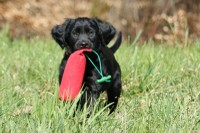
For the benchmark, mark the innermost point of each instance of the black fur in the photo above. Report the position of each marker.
(75, 34)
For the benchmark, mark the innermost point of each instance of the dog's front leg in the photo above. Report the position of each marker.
(88, 97)
(114, 91)
(62, 67)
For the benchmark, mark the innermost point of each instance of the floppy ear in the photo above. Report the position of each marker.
(58, 33)
(106, 29)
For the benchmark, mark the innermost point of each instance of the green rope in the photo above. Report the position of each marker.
(103, 78)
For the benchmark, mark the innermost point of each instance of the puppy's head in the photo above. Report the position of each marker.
(75, 34)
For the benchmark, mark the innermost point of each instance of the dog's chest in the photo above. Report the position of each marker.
(95, 73)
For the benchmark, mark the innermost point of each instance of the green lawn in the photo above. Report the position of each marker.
(161, 90)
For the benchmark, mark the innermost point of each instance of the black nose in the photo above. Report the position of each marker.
(84, 45)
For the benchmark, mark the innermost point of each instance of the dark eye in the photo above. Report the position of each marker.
(91, 33)
(75, 34)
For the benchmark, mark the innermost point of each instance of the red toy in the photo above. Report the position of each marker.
(73, 75)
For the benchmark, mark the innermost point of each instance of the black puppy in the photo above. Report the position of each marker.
(76, 34)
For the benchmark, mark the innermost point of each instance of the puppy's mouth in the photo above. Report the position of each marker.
(83, 45)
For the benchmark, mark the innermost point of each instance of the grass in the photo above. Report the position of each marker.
(161, 90)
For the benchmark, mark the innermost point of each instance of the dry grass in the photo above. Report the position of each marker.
(174, 22)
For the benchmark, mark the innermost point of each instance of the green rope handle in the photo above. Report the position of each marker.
(103, 78)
